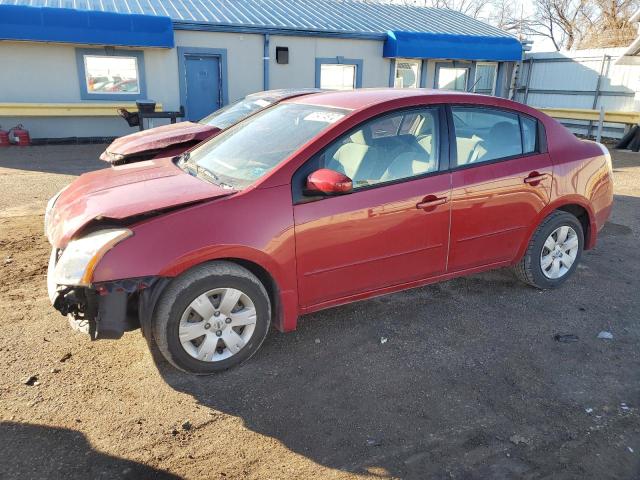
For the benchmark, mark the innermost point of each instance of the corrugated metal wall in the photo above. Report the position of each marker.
(580, 79)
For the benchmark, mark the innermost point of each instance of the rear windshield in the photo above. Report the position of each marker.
(250, 149)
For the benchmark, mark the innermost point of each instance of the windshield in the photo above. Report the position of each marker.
(245, 152)
(236, 111)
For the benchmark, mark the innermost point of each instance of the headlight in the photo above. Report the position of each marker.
(79, 259)
(50, 205)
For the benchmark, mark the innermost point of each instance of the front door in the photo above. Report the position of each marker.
(500, 183)
(202, 74)
(393, 228)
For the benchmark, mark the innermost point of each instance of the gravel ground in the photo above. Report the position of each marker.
(470, 384)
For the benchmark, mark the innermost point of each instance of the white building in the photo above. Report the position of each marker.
(64, 71)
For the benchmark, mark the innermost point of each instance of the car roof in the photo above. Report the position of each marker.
(283, 93)
(365, 97)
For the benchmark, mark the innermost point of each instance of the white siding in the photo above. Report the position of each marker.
(244, 59)
(47, 73)
(303, 51)
(579, 71)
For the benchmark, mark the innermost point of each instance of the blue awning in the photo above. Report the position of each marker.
(454, 47)
(44, 24)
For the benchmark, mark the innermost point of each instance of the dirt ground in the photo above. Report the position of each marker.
(470, 384)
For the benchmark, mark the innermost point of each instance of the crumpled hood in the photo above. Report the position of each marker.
(158, 138)
(124, 191)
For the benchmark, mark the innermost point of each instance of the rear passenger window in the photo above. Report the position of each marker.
(529, 134)
(485, 134)
(392, 147)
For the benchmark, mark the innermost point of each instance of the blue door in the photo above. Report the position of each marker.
(203, 85)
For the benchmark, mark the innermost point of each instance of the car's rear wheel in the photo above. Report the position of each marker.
(211, 318)
(553, 252)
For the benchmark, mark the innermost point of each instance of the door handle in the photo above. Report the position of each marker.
(535, 178)
(431, 202)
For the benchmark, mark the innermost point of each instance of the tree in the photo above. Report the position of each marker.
(610, 26)
(564, 22)
(567, 23)
(572, 23)
(472, 8)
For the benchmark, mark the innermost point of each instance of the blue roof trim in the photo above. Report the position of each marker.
(454, 47)
(25, 23)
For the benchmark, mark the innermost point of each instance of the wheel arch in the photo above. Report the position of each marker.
(269, 283)
(283, 299)
(577, 206)
(582, 214)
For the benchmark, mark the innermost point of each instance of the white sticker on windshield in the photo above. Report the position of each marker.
(327, 117)
(262, 103)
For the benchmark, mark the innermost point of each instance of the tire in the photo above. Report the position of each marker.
(185, 299)
(535, 271)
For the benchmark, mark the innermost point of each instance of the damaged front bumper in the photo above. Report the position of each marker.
(105, 310)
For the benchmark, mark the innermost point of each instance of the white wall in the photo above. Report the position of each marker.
(303, 51)
(47, 73)
(578, 71)
(244, 59)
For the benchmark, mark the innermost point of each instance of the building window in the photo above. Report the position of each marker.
(407, 73)
(485, 81)
(110, 74)
(338, 73)
(452, 78)
(338, 77)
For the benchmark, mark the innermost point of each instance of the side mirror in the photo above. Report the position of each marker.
(328, 182)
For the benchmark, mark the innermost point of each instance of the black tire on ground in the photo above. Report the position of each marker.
(529, 269)
(183, 290)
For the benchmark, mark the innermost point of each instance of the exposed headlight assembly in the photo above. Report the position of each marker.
(80, 257)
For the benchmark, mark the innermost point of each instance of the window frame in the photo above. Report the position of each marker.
(357, 62)
(411, 60)
(307, 166)
(495, 77)
(541, 143)
(110, 52)
(469, 66)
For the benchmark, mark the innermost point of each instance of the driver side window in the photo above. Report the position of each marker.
(393, 147)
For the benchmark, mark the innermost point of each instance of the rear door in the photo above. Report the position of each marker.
(501, 180)
(394, 227)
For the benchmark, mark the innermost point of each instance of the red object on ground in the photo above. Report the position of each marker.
(4, 139)
(20, 136)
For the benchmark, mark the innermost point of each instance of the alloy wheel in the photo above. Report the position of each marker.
(559, 252)
(217, 324)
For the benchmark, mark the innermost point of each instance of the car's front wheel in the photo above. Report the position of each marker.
(211, 318)
(553, 252)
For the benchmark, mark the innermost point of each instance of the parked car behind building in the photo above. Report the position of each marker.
(174, 139)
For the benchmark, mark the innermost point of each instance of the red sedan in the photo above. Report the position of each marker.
(319, 201)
